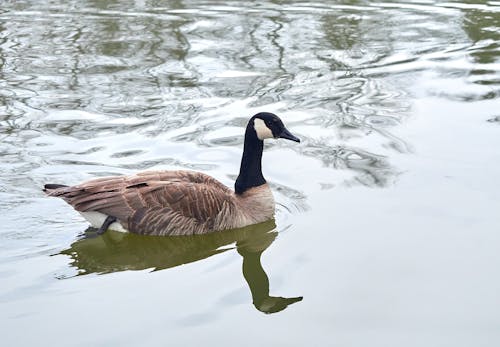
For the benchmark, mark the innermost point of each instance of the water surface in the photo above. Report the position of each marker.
(386, 232)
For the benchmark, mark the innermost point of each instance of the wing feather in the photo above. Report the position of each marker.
(154, 202)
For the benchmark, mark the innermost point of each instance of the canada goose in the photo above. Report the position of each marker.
(181, 202)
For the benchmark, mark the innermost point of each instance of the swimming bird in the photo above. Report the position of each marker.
(181, 202)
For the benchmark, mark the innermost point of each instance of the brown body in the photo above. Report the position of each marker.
(169, 202)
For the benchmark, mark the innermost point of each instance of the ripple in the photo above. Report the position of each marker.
(129, 153)
(494, 119)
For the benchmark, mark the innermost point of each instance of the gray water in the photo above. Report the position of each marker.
(387, 223)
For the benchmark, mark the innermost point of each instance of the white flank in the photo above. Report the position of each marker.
(96, 219)
(263, 132)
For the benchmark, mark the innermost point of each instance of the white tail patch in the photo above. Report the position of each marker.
(263, 132)
(96, 219)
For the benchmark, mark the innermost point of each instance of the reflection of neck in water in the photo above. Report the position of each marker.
(258, 282)
(116, 251)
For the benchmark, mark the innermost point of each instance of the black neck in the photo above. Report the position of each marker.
(251, 167)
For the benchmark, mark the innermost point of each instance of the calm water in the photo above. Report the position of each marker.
(387, 229)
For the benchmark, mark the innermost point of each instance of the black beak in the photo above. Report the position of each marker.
(285, 134)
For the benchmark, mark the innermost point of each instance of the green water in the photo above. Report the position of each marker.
(387, 223)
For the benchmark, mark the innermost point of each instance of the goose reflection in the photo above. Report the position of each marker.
(114, 251)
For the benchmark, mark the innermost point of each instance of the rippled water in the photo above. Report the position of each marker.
(386, 232)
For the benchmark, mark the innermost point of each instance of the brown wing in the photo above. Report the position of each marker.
(155, 202)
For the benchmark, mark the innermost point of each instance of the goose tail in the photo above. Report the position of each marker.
(48, 188)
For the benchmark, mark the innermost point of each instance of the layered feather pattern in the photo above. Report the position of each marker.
(169, 202)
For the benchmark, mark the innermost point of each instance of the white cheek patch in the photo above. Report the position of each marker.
(263, 132)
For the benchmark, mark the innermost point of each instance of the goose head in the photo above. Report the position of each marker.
(261, 126)
(268, 126)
